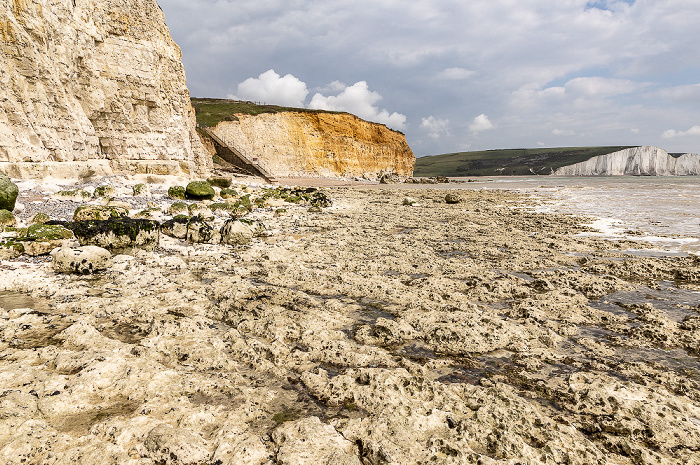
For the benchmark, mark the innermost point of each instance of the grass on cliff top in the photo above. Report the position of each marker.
(505, 162)
(211, 111)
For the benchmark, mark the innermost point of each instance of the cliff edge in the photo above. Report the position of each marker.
(636, 161)
(93, 86)
(319, 144)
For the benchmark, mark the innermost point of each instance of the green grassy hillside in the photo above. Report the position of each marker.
(507, 161)
(211, 111)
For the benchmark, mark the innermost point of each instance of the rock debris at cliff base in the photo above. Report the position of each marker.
(370, 333)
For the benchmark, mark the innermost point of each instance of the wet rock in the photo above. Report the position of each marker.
(81, 260)
(8, 193)
(118, 234)
(99, 212)
(176, 446)
(235, 232)
(227, 193)
(199, 190)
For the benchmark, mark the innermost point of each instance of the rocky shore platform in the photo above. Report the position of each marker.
(392, 327)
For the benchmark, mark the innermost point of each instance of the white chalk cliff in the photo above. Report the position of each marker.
(96, 85)
(636, 161)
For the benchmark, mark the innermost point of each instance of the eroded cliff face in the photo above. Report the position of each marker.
(293, 144)
(637, 161)
(93, 82)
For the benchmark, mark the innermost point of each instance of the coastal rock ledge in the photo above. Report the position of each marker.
(636, 161)
(93, 87)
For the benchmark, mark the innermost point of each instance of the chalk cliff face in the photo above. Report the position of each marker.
(637, 161)
(93, 82)
(293, 144)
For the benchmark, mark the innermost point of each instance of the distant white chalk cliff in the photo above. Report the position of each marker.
(637, 161)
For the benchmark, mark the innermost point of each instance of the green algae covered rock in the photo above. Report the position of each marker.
(40, 218)
(10, 249)
(98, 212)
(220, 182)
(104, 191)
(177, 192)
(140, 190)
(46, 232)
(199, 190)
(7, 218)
(228, 193)
(8, 193)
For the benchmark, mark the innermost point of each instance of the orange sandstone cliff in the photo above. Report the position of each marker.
(311, 144)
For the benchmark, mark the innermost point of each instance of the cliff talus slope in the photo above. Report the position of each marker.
(298, 143)
(636, 161)
(93, 82)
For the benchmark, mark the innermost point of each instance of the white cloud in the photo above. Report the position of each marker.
(480, 123)
(456, 74)
(682, 93)
(359, 100)
(271, 88)
(634, 131)
(672, 133)
(563, 132)
(436, 127)
(601, 87)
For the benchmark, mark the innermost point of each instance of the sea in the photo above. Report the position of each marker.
(663, 211)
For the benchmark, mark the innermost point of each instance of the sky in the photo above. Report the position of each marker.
(460, 75)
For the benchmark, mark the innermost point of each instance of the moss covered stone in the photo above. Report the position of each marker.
(219, 182)
(178, 208)
(40, 218)
(176, 192)
(8, 193)
(98, 212)
(104, 191)
(47, 232)
(7, 218)
(140, 190)
(228, 193)
(10, 249)
(199, 190)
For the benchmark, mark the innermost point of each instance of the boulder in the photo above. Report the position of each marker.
(118, 234)
(104, 191)
(408, 201)
(99, 212)
(40, 218)
(453, 198)
(176, 192)
(10, 249)
(389, 178)
(201, 232)
(199, 190)
(41, 239)
(82, 260)
(178, 208)
(201, 211)
(141, 190)
(220, 181)
(8, 193)
(177, 227)
(235, 232)
(7, 218)
(228, 193)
